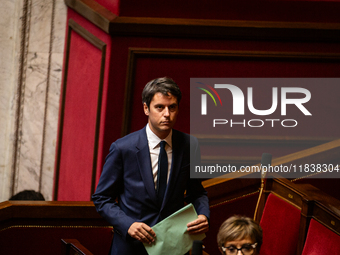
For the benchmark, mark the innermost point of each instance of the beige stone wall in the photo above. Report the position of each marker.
(32, 35)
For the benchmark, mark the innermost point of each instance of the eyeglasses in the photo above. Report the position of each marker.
(246, 249)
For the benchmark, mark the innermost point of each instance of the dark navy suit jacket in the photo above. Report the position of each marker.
(126, 190)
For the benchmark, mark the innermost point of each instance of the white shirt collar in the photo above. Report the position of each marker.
(154, 140)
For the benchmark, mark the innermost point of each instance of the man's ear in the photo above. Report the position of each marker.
(146, 109)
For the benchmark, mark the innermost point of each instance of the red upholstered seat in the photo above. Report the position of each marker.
(280, 223)
(321, 240)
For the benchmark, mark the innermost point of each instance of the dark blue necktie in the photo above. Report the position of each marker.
(162, 174)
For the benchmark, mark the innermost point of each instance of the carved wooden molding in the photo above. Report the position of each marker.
(73, 26)
(48, 210)
(73, 246)
(93, 11)
(206, 28)
(261, 139)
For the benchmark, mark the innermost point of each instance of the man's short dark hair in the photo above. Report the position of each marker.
(164, 85)
(28, 195)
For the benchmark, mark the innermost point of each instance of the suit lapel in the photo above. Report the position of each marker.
(144, 164)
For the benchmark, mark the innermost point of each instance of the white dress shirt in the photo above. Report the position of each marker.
(154, 146)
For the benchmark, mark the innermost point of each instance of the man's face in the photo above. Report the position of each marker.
(162, 114)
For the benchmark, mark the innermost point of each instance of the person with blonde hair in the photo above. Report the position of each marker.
(239, 235)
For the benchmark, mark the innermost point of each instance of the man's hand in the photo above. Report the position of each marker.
(142, 232)
(199, 226)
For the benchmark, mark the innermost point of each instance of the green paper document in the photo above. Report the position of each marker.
(171, 233)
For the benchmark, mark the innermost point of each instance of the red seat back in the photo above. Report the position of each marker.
(321, 240)
(280, 223)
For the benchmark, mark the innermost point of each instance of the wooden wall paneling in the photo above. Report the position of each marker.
(280, 141)
(73, 246)
(164, 53)
(37, 227)
(205, 28)
(130, 75)
(93, 11)
(320, 181)
(225, 29)
(261, 139)
(73, 26)
(328, 214)
(234, 10)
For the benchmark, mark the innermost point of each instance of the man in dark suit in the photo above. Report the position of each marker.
(131, 175)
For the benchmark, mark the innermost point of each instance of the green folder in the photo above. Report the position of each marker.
(171, 233)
